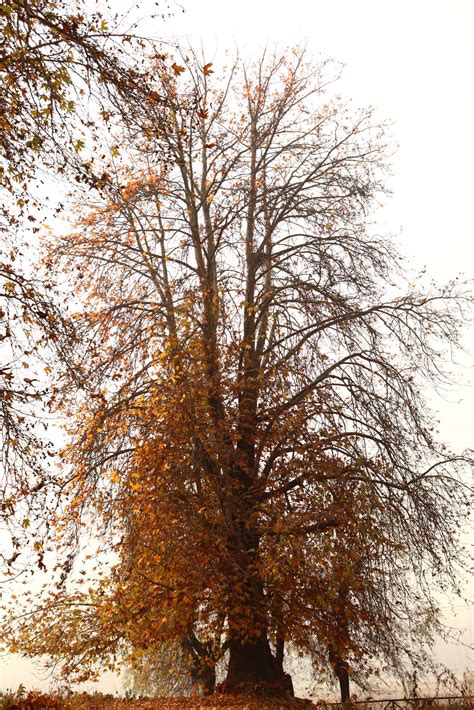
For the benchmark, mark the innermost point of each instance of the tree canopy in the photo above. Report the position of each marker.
(248, 430)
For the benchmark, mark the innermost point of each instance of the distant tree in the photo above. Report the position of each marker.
(373, 618)
(182, 667)
(249, 432)
(164, 673)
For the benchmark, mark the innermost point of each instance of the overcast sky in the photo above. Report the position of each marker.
(412, 60)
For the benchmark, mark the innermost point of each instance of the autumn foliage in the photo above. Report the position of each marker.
(248, 438)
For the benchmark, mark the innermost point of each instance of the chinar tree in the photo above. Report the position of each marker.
(248, 419)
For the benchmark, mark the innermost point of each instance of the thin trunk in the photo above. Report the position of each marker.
(341, 670)
(204, 678)
(203, 667)
(279, 657)
(280, 652)
(343, 677)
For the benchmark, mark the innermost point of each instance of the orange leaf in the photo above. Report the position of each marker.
(203, 114)
(177, 69)
(207, 69)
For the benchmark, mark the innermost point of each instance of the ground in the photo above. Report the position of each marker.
(82, 701)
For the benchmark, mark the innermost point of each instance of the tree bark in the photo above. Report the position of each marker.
(341, 669)
(343, 677)
(280, 653)
(253, 668)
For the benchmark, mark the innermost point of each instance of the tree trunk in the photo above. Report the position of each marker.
(202, 665)
(206, 680)
(341, 669)
(343, 676)
(280, 653)
(252, 666)
(253, 669)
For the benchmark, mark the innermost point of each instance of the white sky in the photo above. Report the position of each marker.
(412, 60)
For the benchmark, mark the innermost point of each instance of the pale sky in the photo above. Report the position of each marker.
(412, 60)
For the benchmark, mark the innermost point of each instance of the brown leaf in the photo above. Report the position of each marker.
(177, 69)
